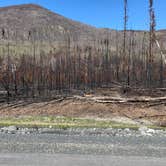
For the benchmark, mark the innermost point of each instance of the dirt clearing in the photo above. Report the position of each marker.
(103, 104)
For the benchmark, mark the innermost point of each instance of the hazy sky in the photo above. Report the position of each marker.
(103, 13)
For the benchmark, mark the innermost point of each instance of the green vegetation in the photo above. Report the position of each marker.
(65, 122)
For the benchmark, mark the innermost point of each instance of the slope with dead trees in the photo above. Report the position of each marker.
(41, 71)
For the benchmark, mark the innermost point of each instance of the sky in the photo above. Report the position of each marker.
(103, 13)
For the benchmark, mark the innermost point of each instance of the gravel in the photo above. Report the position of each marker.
(142, 142)
(142, 131)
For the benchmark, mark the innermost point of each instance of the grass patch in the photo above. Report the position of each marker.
(64, 122)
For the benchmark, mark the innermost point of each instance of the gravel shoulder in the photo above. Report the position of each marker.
(115, 142)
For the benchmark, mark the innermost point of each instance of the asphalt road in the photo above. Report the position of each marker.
(83, 147)
(76, 160)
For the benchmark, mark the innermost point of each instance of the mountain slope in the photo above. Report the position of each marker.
(33, 22)
(30, 17)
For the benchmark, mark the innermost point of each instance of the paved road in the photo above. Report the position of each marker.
(83, 147)
(76, 160)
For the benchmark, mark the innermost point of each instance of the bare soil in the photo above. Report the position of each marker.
(86, 107)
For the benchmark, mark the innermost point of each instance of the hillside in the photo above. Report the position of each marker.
(78, 70)
(48, 26)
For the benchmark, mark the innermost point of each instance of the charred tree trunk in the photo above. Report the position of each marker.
(151, 43)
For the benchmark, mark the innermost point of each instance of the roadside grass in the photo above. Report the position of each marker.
(65, 122)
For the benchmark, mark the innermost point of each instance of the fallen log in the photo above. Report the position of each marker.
(155, 104)
(104, 99)
(149, 116)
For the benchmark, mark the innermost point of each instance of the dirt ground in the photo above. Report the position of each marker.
(91, 106)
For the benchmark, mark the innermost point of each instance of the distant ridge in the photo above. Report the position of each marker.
(29, 5)
(18, 20)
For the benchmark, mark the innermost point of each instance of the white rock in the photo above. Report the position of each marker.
(143, 128)
(10, 128)
(146, 131)
(127, 130)
(152, 131)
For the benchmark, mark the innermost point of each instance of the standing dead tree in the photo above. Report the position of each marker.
(151, 43)
(124, 36)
